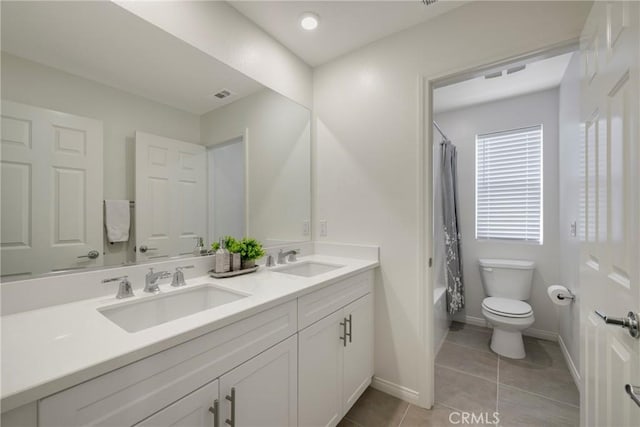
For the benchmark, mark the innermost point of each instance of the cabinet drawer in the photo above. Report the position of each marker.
(129, 394)
(316, 305)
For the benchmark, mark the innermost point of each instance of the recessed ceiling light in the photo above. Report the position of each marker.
(309, 21)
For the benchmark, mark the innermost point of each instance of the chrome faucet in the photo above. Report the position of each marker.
(151, 280)
(178, 276)
(124, 289)
(291, 254)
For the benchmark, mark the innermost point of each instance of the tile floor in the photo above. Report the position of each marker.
(535, 391)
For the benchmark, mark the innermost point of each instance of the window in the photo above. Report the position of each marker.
(509, 185)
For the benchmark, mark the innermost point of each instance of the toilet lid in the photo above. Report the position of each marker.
(507, 307)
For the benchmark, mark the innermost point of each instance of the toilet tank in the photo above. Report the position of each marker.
(507, 278)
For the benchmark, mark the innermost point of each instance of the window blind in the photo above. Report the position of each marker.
(509, 185)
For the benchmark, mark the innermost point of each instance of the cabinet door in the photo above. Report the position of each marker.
(193, 410)
(358, 354)
(263, 391)
(320, 372)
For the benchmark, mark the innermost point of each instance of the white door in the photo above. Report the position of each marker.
(197, 409)
(610, 215)
(320, 359)
(263, 392)
(51, 191)
(226, 190)
(358, 354)
(171, 194)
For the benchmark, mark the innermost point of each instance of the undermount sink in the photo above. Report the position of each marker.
(135, 316)
(307, 268)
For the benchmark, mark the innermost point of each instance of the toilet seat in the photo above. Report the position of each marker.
(507, 307)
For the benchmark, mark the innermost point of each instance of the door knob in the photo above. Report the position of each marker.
(145, 248)
(91, 255)
(630, 322)
(633, 392)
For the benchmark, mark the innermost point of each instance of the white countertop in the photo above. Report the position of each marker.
(47, 350)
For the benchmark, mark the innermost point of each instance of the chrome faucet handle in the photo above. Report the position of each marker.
(125, 290)
(270, 262)
(178, 276)
(281, 257)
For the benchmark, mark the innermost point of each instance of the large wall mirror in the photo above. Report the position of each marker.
(101, 110)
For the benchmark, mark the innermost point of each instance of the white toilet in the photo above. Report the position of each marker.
(507, 284)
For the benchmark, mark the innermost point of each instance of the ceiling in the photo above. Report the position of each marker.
(344, 25)
(538, 75)
(103, 42)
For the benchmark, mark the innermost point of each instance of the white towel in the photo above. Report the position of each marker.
(117, 220)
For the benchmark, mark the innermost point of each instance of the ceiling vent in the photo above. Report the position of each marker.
(224, 93)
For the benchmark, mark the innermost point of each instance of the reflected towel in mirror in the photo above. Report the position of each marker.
(117, 220)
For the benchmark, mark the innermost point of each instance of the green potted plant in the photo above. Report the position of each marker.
(250, 250)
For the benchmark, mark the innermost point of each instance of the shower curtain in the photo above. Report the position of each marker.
(453, 261)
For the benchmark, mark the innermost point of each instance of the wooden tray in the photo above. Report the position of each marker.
(232, 273)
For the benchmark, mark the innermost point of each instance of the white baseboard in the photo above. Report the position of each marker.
(396, 390)
(476, 321)
(531, 332)
(572, 366)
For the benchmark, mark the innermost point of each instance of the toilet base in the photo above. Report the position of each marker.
(507, 343)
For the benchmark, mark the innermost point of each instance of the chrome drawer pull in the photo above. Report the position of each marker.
(232, 420)
(348, 320)
(214, 410)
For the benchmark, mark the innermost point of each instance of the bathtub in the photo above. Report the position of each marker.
(442, 319)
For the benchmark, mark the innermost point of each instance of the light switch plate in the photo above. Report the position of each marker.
(306, 228)
(323, 228)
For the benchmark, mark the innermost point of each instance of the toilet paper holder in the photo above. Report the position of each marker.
(571, 296)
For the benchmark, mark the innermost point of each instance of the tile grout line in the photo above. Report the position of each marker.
(486, 351)
(463, 372)
(541, 395)
(469, 347)
(404, 415)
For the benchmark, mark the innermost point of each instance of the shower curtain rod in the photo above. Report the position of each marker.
(440, 130)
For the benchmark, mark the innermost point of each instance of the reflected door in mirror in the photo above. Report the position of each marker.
(51, 191)
(171, 194)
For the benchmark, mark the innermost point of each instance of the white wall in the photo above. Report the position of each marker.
(121, 112)
(366, 150)
(462, 126)
(278, 149)
(216, 28)
(569, 201)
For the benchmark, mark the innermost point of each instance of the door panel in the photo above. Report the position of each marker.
(170, 196)
(51, 190)
(320, 358)
(266, 391)
(358, 363)
(192, 410)
(609, 270)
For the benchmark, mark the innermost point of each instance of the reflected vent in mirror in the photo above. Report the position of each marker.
(224, 93)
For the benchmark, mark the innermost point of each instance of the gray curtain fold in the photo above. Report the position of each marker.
(453, 260)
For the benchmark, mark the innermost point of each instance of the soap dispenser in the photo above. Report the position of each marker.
(223, 263)
(199, 249)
